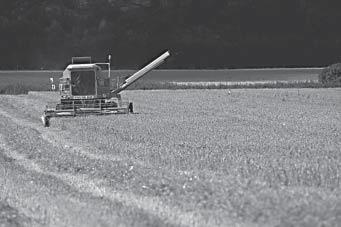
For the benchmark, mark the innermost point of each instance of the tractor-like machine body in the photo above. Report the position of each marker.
(86, 89)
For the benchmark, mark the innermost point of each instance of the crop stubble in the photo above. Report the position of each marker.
(201, 157)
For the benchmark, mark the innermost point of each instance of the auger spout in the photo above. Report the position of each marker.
(139, 74)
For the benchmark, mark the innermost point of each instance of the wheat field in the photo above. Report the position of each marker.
(265, 157)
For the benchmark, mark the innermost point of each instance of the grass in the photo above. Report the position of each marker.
(150, 85)
(154, 85)
(10, 216)
(262, 157)
(16, 89)
(20, 82)
(253, 154)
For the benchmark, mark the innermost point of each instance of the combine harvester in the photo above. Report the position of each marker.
(85, 90)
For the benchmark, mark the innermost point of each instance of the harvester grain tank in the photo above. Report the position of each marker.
(85, 89)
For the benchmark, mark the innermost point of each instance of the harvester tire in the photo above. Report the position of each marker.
(46, 121)
(131, 108)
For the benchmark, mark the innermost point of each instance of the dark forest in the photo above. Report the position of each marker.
(41, 34)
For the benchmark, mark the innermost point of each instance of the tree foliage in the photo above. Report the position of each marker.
(331, 75)
(200, 33)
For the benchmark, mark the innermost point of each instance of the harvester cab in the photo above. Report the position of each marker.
(86, 89)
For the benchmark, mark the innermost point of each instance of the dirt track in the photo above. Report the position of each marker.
(50, 178)
(50, 194)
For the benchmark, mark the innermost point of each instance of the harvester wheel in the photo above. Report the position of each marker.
(131, 108)
(45, 120)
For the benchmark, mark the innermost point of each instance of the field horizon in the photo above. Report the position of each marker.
(23, 81)
(189, 75)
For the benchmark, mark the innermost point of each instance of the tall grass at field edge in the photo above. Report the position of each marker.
(174, 86)
(15, 89)
(20, 88)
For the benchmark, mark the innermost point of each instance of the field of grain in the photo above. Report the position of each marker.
(185, 158)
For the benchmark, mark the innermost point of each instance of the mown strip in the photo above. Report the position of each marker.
(95, 186)
(10, 216)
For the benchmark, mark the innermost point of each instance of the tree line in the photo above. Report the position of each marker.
(45, 34)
